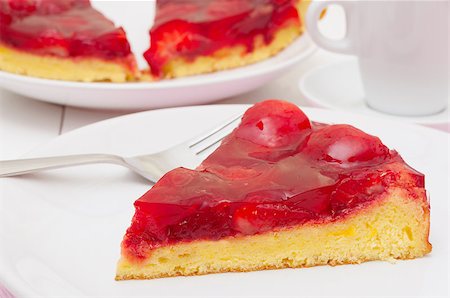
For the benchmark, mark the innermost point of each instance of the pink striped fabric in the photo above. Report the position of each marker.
(4, 293)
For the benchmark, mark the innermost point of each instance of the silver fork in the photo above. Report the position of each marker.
(151, 166)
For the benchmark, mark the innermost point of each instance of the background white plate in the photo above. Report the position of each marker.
(338, 86)
(166, 93)
(136, 17)
(60, 231)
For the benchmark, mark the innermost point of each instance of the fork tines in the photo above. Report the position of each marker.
(214, 137)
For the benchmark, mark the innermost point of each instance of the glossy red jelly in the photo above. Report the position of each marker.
(277, 169)
(189, 28)
(67, 28)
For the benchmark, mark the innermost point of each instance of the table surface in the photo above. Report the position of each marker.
(26, 123)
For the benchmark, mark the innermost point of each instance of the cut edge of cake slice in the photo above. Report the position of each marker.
(232, 57)
(82, 69)
(395, 226)
(64, 40)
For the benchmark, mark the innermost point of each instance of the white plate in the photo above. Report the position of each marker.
(166, 93)
(338, 86)
(60, 231)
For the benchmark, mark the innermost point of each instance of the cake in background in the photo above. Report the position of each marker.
(199, 36)
(280, 191)
(71, 40)
(63, 40)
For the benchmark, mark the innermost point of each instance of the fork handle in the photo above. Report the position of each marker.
(29, 165)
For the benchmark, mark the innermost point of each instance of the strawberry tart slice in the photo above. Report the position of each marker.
(281, 191)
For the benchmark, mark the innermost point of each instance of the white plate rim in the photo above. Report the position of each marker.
(197, 80)
(442, 117)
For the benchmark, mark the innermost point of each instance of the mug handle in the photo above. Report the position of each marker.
(342, 46)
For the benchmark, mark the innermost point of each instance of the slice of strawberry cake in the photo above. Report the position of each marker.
(200, 36)
(281, 191)
(63, 40)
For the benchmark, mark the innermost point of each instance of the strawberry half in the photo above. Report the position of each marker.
(171, 39)
(345, 144)
(257, 218)
(273, 123)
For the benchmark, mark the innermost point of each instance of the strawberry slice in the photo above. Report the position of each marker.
(51, 40)
(169, 40)
(257, 218)
(221, 8)
(22, 7)
(358, 189)
(345, 144)
(174, 37)
(234, 172)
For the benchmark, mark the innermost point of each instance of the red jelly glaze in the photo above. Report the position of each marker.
(276, 170)
(66, 28)
(190, 28)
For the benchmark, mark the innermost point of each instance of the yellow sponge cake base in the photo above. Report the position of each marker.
(232, 57)
(70, 69)
(395, 227)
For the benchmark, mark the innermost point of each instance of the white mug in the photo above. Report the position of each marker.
(402, 49)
